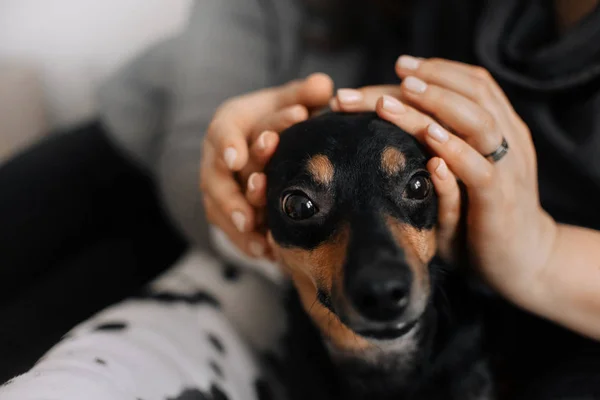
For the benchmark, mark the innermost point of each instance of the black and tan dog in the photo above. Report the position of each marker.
(352, 215)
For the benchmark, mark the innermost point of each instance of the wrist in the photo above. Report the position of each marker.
(567, 285)
(536, 283)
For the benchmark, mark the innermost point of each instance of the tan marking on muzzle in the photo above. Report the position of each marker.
(392, 161)
(321, 268)
(321, 169)
(419, 247)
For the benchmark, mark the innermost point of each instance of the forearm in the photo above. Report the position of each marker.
(567, 289)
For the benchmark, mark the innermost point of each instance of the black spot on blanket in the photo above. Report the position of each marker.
(111, 326)
(216, 369)
(217, 393)
(191, 394)
(199, 297)
(216, 342)
(231, 272)
(100, 361)
(195, 394)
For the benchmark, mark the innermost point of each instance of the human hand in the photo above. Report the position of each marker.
(461, 114)
(228, 161)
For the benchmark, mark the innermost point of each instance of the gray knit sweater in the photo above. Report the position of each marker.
(157, 108)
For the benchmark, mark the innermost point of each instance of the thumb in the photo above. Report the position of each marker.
(314, 91)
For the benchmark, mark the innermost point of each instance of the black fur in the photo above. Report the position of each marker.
(450, 362)
(470, 341)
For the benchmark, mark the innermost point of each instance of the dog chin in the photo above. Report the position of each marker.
(388, 333)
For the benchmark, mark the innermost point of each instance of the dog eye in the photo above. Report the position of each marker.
(418, 188)
(298, 206)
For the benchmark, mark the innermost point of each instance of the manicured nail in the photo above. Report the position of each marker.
(415, 85)
(349, 95)
(393, 105)
(229, 156)
(437, 133)
(408, 62)
(239, 220)
(257, 249)
(442, 170)
(252, 181)
(262, 144)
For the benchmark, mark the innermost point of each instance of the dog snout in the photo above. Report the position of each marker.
(381, 293)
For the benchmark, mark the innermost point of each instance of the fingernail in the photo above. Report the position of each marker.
(442, 170)
(437, 133)
(251, 182)
(415, 85)
(349, 95)
(257, 249)
(230, 155)
(408, 62)
(239, 220)
(262, 144)
(393, 105)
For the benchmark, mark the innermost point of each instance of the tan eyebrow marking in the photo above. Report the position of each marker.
(321, 169)
(392, 160)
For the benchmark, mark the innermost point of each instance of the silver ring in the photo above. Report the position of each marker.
(499, 153)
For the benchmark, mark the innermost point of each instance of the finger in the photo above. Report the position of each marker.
(233, 122)
(261, 152)
(263, 148)
(466, 118)
(473, 82)
(252, 244)
(313, 92)
(404, 116)
(334, 105)
(477, 173)
(256, 191)
(229, 141)
(449, 202)
(220, 186)
(281, 120)
(363, 99)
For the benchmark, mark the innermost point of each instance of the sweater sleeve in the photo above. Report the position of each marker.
(162, 104)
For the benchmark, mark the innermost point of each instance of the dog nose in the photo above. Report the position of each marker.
(380, 297)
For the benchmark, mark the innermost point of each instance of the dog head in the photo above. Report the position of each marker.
(352, 212)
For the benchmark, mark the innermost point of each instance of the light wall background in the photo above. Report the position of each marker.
(73, 44)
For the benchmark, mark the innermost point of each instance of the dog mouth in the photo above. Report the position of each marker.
(388, 333)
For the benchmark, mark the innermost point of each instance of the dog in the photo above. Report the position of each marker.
(352, 216)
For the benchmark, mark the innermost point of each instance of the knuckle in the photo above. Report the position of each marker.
(435, 61)
(436, 97)
(487, 123)
(482, 89)
(451, 210)
(486, 178)
(482, 74)
(430, 68)
(456, 149)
